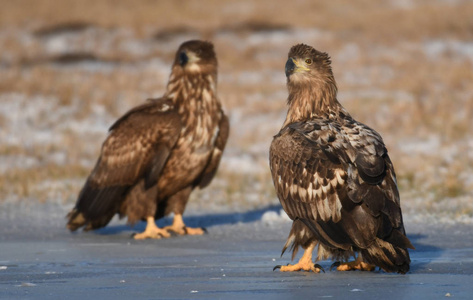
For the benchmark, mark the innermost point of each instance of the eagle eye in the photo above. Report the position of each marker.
(308, 61)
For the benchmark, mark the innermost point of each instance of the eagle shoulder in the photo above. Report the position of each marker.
(138, 144)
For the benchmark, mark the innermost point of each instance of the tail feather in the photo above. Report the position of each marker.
(388, 257)
(76, 220)
(95, 207)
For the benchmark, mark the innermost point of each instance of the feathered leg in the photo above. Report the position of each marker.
(152, 231)
(305, 263)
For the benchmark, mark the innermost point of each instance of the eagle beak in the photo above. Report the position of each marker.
(290, 66)
(183, 58)
(293, 66)
(187, 58)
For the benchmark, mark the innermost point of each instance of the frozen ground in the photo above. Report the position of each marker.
(69, 68)
(39, 259)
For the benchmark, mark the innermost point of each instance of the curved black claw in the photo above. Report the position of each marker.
(277, 267)
(319, 267)
(204, 230)
(334, 265)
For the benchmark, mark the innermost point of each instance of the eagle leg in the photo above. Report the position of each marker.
(305, 263)
(151, 231)
(180, 228)
(357, 264)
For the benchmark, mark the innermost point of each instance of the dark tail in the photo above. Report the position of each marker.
(95, 207)
(388, 257)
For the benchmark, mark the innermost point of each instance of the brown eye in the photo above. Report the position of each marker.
(308, 61)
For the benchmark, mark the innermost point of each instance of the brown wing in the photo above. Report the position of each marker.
(220, 142)
(309, 182)
(316, 169)
(137, 147)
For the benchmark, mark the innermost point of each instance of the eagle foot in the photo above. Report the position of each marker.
(151, 231)
(152, 234)
(184, 230)
(195, 231)
(352, 265)
(278, 267)
(179, 227)
(316, 268)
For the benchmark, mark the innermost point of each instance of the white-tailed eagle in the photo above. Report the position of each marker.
(333, 177)
(158, 152)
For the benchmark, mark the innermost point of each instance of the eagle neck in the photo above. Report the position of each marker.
(186, 89)
(195, 98)
(314, 100)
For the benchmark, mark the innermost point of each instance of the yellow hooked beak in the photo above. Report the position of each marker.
(294, 66)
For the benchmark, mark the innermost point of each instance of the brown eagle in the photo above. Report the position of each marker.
(333, 177)
(158, 152)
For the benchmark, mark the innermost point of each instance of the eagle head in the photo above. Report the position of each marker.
(196, 57)
(304, 63)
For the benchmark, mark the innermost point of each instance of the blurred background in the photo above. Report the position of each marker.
(69, 68)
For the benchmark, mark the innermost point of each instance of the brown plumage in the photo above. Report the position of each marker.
(333, 176)
(158, 152)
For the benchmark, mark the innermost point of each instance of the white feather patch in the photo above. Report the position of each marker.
(339, 174)
(313, 209)
(336, 213)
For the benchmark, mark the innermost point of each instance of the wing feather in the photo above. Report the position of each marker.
(299, 169)
(220, 142)
(340, 180)
(137, 146)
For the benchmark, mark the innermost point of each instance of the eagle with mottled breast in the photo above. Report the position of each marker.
(158, 152)
(334, 178)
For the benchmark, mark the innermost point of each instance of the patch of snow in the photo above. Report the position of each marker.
(8, 162)
(26, 119)
(373, 93)
(270, 217)
(458, 49)
(368, 76)
(349, 52)
(423, 146)
(241, 164)
(274, 38)
(58, 44)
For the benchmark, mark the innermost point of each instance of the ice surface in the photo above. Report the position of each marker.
(41, 260)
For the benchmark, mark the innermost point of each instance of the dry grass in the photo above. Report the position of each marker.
(404, 70)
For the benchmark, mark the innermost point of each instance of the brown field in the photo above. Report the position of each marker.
(68, 69)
